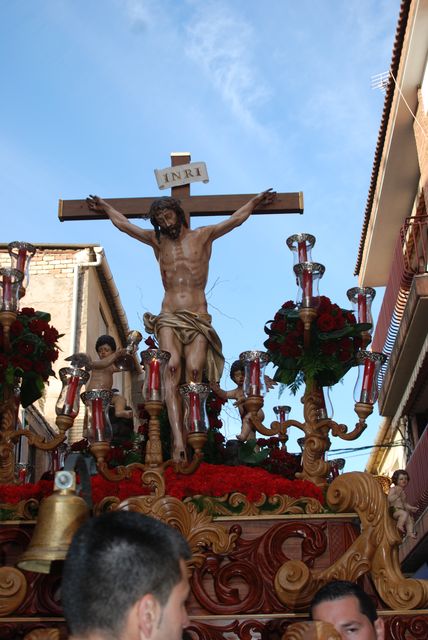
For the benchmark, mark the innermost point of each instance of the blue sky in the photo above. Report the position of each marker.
(96, 94)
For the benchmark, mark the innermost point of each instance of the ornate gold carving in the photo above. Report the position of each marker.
(228, 505)
(314, 467)
(198, 528)
(7, 462)
(13, 589)
(375, 551)
(22, 510)
(384, 482)
(311, 631)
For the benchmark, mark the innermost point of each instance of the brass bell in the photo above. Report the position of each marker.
(60, 515)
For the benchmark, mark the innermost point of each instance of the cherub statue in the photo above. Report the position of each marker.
(237, 374)
(102, 371)
(401, 510)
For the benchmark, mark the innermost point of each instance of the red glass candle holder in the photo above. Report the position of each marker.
(361, 299)
(195, 396)
(68, 401)
(10, 283)
(154, 361)
(308, 275)
(366, 388)
(300, 244)
(254, 367)
(20, 255)
(97, 402)
(282, 412)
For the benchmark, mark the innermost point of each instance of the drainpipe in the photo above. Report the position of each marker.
(99, 252)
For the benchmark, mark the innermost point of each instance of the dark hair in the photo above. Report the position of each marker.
(160, 204)
(113, 561)
(341, 589)
(399, 472)
(238, 365)
(109, 340)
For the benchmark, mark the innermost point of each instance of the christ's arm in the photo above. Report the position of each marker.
(121, 222)
(241, 215)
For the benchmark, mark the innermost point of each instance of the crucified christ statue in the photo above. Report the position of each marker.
(183, 326)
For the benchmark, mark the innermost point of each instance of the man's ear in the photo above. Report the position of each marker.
(379, 626)
(148, 612)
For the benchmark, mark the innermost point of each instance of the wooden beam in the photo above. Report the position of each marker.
(195, 206)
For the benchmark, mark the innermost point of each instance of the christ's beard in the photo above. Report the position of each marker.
(172, 232)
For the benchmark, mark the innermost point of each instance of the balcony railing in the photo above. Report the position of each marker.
(410, 259)
(417, 468)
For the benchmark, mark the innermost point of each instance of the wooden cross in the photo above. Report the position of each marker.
(193, 206)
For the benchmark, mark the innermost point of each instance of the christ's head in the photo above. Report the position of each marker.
(167, 217)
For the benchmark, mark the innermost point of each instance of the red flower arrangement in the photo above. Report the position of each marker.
(208, 480)
(33, 350)
(335, 339)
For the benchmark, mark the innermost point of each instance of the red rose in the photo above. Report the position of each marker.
(28, 311)
(325, 323)
(344, 356)
(279, 326)
(288, 305)
(51, 335)
(329, 348)
(26, 348)
(52, 355)
(324, 305)
(16, 328)
(3, 361)
(339, 322)
(21, 363)
(350, 317)
(41, 367)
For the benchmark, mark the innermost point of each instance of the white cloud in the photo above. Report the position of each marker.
(139, 13)
(222, 44)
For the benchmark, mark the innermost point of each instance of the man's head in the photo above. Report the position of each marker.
(349, 609)
(105, 345)
(164, 221)
(125, 575)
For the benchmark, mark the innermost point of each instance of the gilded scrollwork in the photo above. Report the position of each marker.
(238, 503)
(197, 527)
(375, 551)
(13, 589)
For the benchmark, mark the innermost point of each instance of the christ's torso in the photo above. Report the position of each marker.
(184, 270)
